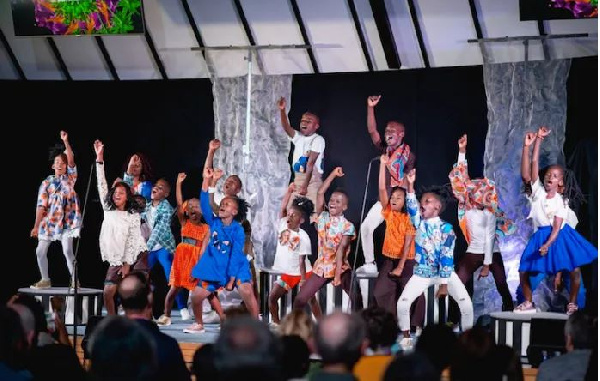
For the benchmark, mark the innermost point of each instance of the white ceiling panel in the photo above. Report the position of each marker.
(501, 19)
(329, 24)
(405, 37)
(273, 23)
(82, 57)
(220, 25)
(173, 37)
(132, 57)
(369, 29)
(447, 25)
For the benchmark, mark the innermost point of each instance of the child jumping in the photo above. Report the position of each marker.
(482, 223)
(309, 148)
(293, 249)
(398, 250)
(194, 239)
(555, 245)
(335, 233)
(57, 215)
(435, 241)
(224, 251)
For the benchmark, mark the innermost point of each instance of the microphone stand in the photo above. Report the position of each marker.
(75, 272)
(362, 212)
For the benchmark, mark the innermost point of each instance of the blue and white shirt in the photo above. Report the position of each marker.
(434, 243)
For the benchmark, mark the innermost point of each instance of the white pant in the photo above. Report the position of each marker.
(41, 252)
(415, 287)
(373, 219)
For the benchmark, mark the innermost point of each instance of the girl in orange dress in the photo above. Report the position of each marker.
(194, 239)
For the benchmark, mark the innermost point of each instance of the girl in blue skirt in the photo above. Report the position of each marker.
(555, 245)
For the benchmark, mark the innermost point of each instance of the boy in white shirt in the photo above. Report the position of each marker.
(309, 148)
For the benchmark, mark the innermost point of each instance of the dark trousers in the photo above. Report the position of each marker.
(467, 267)
(388, 289)
(315, 283)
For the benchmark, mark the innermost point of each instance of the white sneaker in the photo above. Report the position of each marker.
(211, 317)
(406, 344)
(185, 314)
(367, 268)
(163, 320)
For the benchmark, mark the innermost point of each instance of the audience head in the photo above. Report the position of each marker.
(120, 348)
(382, 328)
(473, 356)
(14, 346)
(27, 322)
(411, 367)
(136, 294)
(203, 365)
(299, 323)
(39, 316)
(246, 348)
(296, 356)
(236, 311)
(437, 342)
(341, 339)
(53, 361)
(578, 332)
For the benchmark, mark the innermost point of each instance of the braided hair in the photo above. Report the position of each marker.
(304, 206)
(243, 207)
(442, 192)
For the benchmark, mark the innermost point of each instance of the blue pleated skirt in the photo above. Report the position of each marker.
(570, 250)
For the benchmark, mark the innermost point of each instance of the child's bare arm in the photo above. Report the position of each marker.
(371, 122)
(525, 159)
(556, 225)
(213, 146)
(179, 198)
(535, 156)
(302, 267)
(286, 200)
(217, 174)
(337, 172)
(69, 151)
(285, 123)
(383, 195)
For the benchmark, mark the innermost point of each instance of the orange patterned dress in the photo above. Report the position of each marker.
(187, 255)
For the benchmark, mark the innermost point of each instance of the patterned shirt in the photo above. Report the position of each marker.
(401, 161)
(63, 216)
(144, 187)
(397, 227)
(434, 240)
(330, 231)
(161, 226)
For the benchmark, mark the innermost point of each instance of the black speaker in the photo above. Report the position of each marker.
(546, 339)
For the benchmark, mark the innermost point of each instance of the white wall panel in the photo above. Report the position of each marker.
(405, 37)
(132, 57)
(369, 28)
(82, 57)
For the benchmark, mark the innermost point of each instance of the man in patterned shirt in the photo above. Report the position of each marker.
(434, 243)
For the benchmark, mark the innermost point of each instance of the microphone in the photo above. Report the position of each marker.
(373, 159)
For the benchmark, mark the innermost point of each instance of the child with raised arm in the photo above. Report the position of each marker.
(309, 148)
(194, 239)
(293, 249)
(435, 241)
(555, 245)
(121, 240)
(57, 214)
(335, 234)
(398, 250)
(223, 253)
(400, 161)
(138, 173)
(482, 223)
